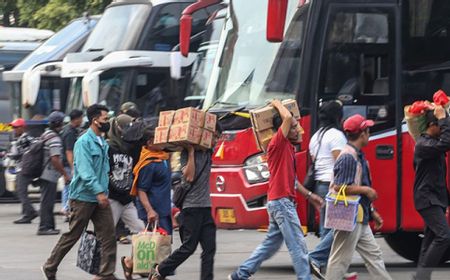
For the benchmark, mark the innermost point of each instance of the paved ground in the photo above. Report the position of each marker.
(22, 252)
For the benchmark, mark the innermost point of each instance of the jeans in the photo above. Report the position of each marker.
(319, 256)
(197, 226)
(65, 193)
(322, 190)
(284, 224)
(435, 242)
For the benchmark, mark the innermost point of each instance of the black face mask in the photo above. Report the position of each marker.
(104, 126)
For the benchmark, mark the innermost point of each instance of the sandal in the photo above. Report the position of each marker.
(127, 272)
(124, 240)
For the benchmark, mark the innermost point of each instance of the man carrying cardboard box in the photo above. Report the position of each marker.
(284, 224)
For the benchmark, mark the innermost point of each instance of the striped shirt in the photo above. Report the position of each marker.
(52, 147)
(345, 173)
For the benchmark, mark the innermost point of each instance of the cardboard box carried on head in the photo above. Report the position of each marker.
(262, 121)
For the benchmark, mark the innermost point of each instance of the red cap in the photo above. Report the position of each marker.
(18, 123)
(357, 123)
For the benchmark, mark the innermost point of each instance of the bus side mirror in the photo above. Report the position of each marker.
(186, 22)
(276, 18)
(175, 65)
(185, 34)
(30, 86)
(90, 86)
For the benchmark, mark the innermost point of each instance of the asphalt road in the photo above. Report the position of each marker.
(22, 253)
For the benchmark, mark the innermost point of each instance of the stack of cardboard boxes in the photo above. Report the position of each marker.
(262, 121)
(186, 126)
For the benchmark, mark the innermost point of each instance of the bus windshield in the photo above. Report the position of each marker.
(118, 28)
(244, 57)
(54, 47)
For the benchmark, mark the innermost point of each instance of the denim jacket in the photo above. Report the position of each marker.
(91, 168)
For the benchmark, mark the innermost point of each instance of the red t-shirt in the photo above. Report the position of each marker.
(281, 155)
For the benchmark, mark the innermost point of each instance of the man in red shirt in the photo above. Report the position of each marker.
(284, 224)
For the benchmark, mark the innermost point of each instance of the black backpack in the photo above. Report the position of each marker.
(33, 159)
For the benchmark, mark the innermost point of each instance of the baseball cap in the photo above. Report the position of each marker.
(18, 123)
(357, 123)
(56, 117)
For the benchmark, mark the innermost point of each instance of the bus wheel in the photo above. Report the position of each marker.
(406, 244)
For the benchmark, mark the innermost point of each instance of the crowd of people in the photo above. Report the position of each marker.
(110, 179)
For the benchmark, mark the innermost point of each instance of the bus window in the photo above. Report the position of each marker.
(283, 75)
(426, 41)
(51, 96)
(357, 62)
(151, 92)
(112, 89)
(164, 32)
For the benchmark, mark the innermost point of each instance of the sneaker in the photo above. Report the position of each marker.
(315, 270)
(233, 276)
(351, 276)
(49, 231)
(47, 275)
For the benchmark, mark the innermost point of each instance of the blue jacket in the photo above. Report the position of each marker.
(91, 168)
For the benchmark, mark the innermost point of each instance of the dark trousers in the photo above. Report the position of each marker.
(80, 214)
(197, 226)
(435, 242)
(48, 197)
(22, 183)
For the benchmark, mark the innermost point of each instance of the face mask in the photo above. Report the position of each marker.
(104, 127)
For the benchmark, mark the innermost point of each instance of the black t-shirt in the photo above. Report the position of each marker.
(69, 136)
(120, 176)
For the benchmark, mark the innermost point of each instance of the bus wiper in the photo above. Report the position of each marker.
(94, 50)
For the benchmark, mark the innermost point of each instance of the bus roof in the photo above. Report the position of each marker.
(16, 34)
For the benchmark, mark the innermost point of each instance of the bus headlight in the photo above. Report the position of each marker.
(256, 169)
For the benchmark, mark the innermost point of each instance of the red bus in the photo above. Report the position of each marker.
(375, 56)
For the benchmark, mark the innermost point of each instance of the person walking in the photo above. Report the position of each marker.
(284, 223)
(69, 136)
(89, 197)
(152, 186)
(22, 144)
(431, 197)
(352, 169)
(325, 146)
(121, 176)
(197, 224)
(53, 169)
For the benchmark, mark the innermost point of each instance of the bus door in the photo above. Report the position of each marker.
(357, 67)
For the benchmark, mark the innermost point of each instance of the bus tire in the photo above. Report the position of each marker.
(407, 245)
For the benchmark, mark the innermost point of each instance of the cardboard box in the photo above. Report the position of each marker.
(207, 139)
(189, 115)
(262, 118)
(263, 138)
(186, 132)
(210, 122)
(292, 106)
(161, 135)
(166, 118)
